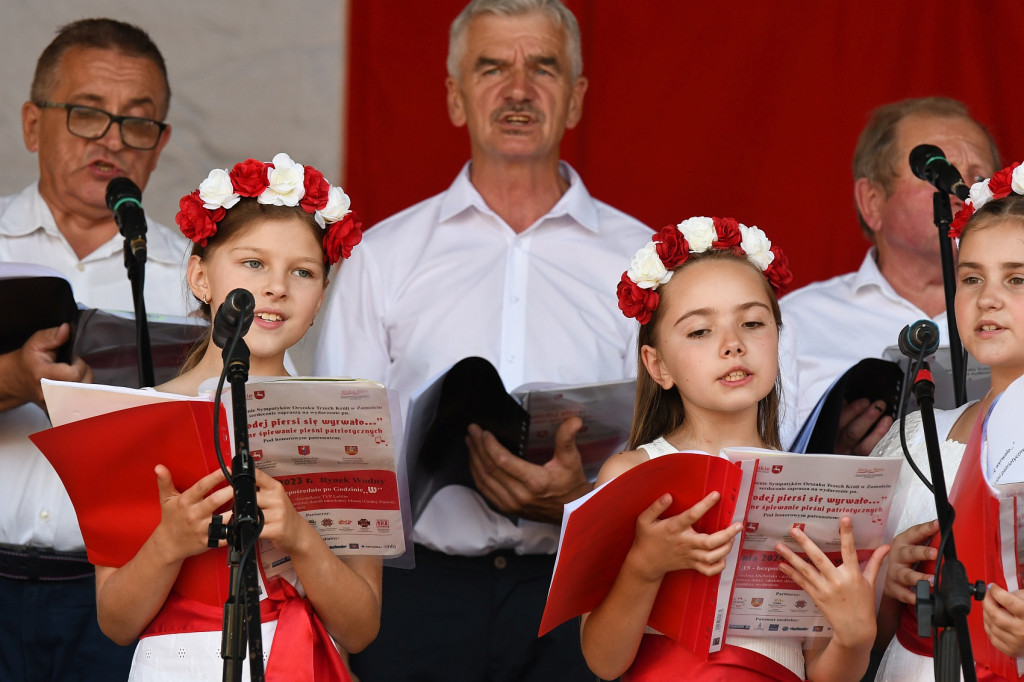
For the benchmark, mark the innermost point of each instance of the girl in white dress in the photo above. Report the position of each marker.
(705, 295)
(990, 320)
(273, 229)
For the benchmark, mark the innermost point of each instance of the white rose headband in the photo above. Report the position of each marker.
(281, 182)
(654, 264)
(1009, 180)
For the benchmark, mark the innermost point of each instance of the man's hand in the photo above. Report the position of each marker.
(515, 486)
(861, 426)
(21, 370)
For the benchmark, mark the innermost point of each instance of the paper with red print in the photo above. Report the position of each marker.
(330, 443)
(812, 492)
(769, 492)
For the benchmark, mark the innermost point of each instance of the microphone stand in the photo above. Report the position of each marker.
(943, 216)
(136, 267)
(242, 609)
(943, 614)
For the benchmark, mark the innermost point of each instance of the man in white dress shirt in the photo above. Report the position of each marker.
(833, 324)
(98, 101)
(518, 264)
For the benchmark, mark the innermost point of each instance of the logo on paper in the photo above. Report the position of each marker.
(751, 527)
(774, 627)
(800, 603)
(351, 449)
(353, 545)
(776, 468)
(326, 523)
(372, 489)
(303, 450)
(818, 628)
(344, 522)
(257, 455)
(756, 601)
(364, 523)
(799, 526)
(383, 525)
(259, 395)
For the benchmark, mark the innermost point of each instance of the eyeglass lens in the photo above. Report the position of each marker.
(93, 123)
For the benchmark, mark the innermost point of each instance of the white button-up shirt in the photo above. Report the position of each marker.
(34, 507)
(448, 279)
(829, 326)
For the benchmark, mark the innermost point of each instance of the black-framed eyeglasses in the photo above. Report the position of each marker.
(92, 124)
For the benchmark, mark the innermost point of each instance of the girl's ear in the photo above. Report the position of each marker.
(197, 279)
(655, 367)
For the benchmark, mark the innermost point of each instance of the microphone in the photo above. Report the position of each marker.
(237, 311)
(929, 163)
(124, 199)
(919, 339)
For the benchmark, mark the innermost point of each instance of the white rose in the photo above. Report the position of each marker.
(699, 233)
(286, 178)
(980, 194)
(757, 246)
(337, 206)
(646, 269)
(1017, 179)
(216, 190)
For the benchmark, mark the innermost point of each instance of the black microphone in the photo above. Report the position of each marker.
(124, 199)
(919, 339)
(236, 311)
(929, 163)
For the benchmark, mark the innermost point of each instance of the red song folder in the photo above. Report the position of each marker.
(106, 464)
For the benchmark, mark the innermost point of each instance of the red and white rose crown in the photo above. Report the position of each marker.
(282, 182)
(1009, 180)
(672, 245)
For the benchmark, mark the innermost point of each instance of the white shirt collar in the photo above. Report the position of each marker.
(576, 203)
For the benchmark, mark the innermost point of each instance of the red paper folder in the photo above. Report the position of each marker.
(599, 533)
(106, 464)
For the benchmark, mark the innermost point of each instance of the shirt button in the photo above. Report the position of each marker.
(81, 267)
(45, 515)
(500, 562)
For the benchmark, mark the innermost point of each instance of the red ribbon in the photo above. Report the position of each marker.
(302, 650)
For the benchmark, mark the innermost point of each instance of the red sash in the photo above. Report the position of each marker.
(975, 530)
(659, 659)
(302, 649)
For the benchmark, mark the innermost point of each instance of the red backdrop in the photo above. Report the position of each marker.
(747, 109)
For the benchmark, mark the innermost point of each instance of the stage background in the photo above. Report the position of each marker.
(748, 109)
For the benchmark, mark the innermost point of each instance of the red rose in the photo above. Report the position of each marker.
(999, 185)
(315, 196)
(197, 222)
(671, 246)
(962, 216)
(636, 302)
(341, 237)
(778, 273)
(729, 236)
(249, 178)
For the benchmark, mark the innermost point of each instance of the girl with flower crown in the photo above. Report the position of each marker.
(273, 229)
(705, 295)
(989, 307)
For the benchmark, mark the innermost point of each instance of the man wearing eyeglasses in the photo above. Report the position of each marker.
(96, 111)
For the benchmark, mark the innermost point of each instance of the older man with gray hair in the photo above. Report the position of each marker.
(518, 264)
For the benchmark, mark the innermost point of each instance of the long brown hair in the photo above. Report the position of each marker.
(236, 219)
(658, 411)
